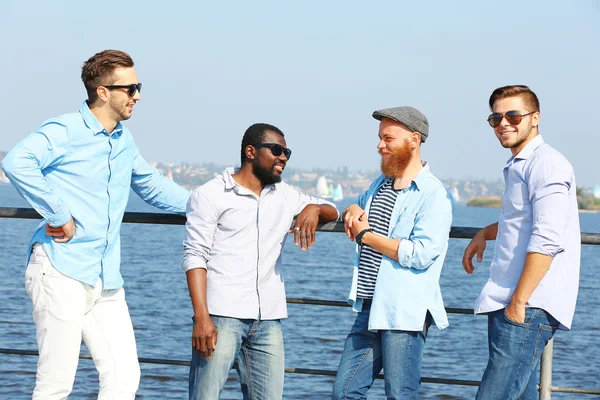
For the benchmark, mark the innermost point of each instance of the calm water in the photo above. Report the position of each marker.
(314, 335)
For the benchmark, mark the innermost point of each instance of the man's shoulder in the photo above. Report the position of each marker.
(546, 157)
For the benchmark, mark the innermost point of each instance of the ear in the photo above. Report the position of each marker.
(415, 140)
(102, 93)
(535, 119)
(250, 152)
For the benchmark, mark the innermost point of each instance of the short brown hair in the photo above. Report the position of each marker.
(529, 98)
(98, 70)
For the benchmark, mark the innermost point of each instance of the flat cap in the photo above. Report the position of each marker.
(414, 119)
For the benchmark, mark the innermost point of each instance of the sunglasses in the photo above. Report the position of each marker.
(513, 118)
(276, 149)
(131, 89)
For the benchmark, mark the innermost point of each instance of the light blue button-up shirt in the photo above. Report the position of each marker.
(539, 215)
(72, 167)
(406, 289)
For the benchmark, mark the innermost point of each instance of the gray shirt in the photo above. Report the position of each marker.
(237, 237)
(539, 215)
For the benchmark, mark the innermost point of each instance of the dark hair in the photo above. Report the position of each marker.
(255, 134)
(529, 98)
(98, 70)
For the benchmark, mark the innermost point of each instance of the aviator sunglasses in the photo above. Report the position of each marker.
(513, 118)
(131, 89)
(276, 149)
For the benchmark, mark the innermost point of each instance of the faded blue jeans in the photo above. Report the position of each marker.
(253, 348)
(515, 349)
(399, 353)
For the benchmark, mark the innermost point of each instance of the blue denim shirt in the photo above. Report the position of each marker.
(406, 289)
(72, 167)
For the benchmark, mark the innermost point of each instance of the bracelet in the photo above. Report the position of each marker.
(359, 237)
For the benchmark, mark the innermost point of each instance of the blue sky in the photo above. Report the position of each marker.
(317, 70)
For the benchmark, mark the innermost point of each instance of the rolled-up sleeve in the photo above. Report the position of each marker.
(429, 236)
(549, 182)
(200, 228)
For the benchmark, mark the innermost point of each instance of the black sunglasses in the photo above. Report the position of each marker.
(276, 149)
(131, 89)
(513, 118)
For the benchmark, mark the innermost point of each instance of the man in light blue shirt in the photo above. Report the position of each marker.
(401, 226)
(76, 171)
(534, 273)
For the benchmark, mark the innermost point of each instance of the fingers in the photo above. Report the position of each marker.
(467, 260)
(305, 236)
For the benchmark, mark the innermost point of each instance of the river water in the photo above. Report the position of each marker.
(314, 335)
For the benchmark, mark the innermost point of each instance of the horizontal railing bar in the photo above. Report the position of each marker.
(305, 371)
(457, 232)
(563, 389)
(334, 303)
(308, 371)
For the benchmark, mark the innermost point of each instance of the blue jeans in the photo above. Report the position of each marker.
(253, 348)
(399, 353)
(515, 349)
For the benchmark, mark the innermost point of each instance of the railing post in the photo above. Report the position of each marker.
(546, 371)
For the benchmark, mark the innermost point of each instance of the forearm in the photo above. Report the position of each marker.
(489, 232)
(327, 213)
(24, 172)
(536, 267)
(196, 280)
(386, 246)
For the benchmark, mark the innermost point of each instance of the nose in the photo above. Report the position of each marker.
(137, 96)
(381, 144)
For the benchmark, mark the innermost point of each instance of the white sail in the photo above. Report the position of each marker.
(322, 187)
(455, 194)
(338, 195)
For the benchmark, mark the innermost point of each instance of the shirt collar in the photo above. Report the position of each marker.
(92, 122)
(422, 175)
(230, 183)
(527, 150)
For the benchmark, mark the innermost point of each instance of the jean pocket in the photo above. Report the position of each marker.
(525, 324)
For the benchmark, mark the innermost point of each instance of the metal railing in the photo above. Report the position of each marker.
(545, 387)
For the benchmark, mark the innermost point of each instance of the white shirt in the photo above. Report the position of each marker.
(539, 215)
(238, 237)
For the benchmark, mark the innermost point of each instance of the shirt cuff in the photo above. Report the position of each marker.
(405, 253)
(59, 218)
(192, 262)
(548, 249)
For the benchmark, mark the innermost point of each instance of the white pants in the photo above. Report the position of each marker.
(65, 311)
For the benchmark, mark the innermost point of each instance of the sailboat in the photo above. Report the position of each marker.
(337, 193)
(455, 194)
(323, 188)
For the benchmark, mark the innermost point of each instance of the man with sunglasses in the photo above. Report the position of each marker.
(76, 170)
(401, 226)
(236, 227)
(534, 273)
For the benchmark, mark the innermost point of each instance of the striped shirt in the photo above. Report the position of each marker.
(379, 220)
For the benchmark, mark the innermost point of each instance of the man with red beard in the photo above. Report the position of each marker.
(236, 227)
(401, 226)
(76, 171)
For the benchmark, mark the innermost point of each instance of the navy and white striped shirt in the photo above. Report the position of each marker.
(379, 220)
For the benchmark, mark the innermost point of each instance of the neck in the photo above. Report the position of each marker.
(403, 180)
(103, 116)
(246, 178)
(516, 150)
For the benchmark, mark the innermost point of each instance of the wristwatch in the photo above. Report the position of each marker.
(360, 235)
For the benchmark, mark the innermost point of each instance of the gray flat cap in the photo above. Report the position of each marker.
(414, 119)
